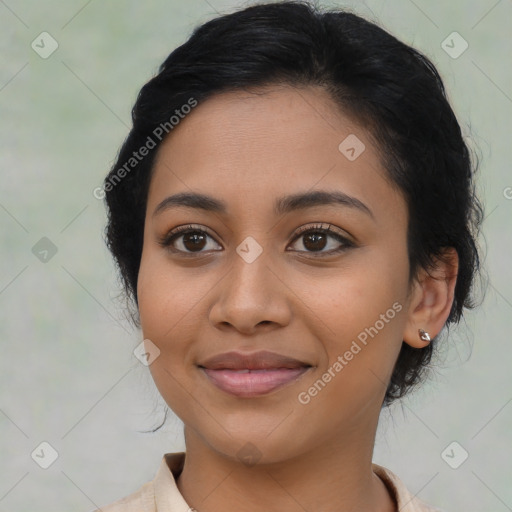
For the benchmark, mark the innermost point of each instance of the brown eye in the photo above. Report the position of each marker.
(317, 238)
(315, 241)
(194, 240)
(189, 240)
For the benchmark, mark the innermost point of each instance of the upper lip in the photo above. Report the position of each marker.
(255, 361)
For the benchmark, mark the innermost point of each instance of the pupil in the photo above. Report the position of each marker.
(315, 238)
(197, 241)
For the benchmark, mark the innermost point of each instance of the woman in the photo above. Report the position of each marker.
(293, 214)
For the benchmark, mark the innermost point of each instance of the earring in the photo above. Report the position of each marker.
(425, 336)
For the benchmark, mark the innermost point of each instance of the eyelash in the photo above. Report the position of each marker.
(167, 240)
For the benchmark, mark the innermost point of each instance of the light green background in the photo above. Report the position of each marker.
(67, 372)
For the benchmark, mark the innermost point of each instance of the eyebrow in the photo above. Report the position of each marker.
(284, 204)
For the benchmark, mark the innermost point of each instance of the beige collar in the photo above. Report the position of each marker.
(169, 499)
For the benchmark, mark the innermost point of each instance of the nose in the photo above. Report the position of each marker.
(251, 298)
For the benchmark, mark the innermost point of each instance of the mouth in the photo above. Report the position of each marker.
(251, 375)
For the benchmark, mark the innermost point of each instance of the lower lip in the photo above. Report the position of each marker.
(254, 382)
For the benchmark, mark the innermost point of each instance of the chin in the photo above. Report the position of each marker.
(251, 446)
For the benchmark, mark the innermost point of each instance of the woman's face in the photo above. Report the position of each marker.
(257, 271)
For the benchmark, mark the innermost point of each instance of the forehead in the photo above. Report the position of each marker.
(249, 147)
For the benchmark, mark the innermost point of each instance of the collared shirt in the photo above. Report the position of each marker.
(162, 493)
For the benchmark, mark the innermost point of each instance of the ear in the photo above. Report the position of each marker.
(431, 299)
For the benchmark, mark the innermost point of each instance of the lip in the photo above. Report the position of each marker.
(252, 383)
(262, 360)
(251, 375)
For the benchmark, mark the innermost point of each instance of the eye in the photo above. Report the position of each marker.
(188, 239)
(192, 239)
(314, 239)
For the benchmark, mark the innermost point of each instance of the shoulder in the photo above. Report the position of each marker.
(161, 493)
(406, 501)
(142, 500)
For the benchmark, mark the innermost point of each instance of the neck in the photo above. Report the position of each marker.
(334, 477)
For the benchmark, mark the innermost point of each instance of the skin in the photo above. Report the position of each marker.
(247, 150)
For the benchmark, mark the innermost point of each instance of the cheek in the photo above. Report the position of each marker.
(172, 304)
(168, 297)
(364, 304)
(364, 315)
(166, 308)
(360, 292)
